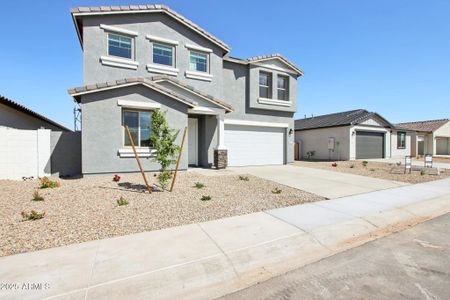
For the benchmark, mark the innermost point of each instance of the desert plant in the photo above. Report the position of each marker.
(365, 163)
(45, 183)
(352, 166)
(399, 163)
(199, 185)
(163, 140)
(37, 196)
(32, 216)
(422, 172)
(276, 191)
(372, 170)
(334, 164)
(122, 201)
(243, 178)
(116, 178)
(205, 198)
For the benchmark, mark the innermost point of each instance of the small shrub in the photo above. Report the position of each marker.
(37, 196)
(352, 166)
(334, 164)
(116, 178)
(199, 185)
(365, 163)
(164, 177)
(45, 183)
(205, 198)
(399, 163)
(122, 201)
(276, 191)
(422, 172)
(32, 216)
(372, 170)
(243, 178)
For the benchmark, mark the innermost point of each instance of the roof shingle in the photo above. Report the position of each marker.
(428, 125)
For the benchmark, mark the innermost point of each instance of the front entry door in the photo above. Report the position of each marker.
(193, 141)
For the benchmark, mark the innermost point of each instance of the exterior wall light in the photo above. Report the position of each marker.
(290, 131)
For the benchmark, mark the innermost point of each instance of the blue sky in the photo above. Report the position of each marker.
(388, 56)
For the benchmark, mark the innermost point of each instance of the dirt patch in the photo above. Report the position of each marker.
(378, 170)
(86, 209)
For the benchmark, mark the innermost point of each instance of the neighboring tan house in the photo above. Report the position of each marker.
(32, 145)
(431, 137)
(349, 135)
(140, 58)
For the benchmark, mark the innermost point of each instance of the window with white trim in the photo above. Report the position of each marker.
(265, 85)
(283, 87)
(163, 54)
(401, 140)
(120, 46)
(139, 123)
(198, 61)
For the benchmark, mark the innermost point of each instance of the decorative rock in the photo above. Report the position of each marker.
(220, 159)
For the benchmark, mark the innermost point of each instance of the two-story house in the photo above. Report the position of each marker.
(140, 58)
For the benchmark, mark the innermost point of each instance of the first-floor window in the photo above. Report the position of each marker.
(119, 45)
(139, 123)
(198, 61)
(401, 140)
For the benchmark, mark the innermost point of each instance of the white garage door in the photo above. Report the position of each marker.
(251, 145)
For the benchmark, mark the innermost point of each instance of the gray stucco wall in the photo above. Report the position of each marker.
(160, 25)
(235, 78)
(65, 150)
(12, 118)
(102, 131)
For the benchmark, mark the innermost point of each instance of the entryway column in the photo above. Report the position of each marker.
(220, 152)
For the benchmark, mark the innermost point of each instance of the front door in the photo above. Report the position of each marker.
(193, 141)
(420, 145)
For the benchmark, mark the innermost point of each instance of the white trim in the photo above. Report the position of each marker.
(198, 75)
(274, 102)
(141, 152)
(118, 30)
(276, 68)
(255, 123)
(138, 104)
(198, 48)
(203, 110)
(118, 62)
(178, 18)
(220, 133)
(161, 40)
(160, 69)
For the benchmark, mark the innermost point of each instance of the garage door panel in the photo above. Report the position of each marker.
(369, 145)
(442, 146)
(249, 145)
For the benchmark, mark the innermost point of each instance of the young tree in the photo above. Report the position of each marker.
(163, 140)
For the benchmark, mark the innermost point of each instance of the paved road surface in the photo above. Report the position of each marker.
(413, 264)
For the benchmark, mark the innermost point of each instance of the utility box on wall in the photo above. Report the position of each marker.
(331, 143)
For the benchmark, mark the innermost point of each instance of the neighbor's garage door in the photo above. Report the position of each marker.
(369, 144)
(251, 145)
(442, 146)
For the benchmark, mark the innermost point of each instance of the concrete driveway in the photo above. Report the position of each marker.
(325, 183)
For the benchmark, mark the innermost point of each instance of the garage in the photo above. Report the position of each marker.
(369, 144)
(253, 145)
(442, 146)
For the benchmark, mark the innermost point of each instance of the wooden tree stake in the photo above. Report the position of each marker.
(178, 160)
(137, 159)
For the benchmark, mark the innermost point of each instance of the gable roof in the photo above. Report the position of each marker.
(95, 88)
(261, 58)
(352, 117)
(156, 8)
(19, 107)
(428, 125)
(193, 90)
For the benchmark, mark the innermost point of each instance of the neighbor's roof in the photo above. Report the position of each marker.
(94, 88)
(193, 90)
(25, 110)
(264, 58)
(345, 118)
(103, 10)
(429, 125)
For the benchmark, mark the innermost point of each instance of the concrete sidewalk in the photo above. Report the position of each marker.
(208, 260)
(324, 183)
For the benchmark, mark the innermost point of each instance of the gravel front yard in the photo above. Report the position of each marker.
(377, 170)
(86, 209)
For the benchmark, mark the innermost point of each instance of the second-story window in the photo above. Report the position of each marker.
(265, 85)
(198, 61)
(163, 54)
(119, 45)
(283, 87)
